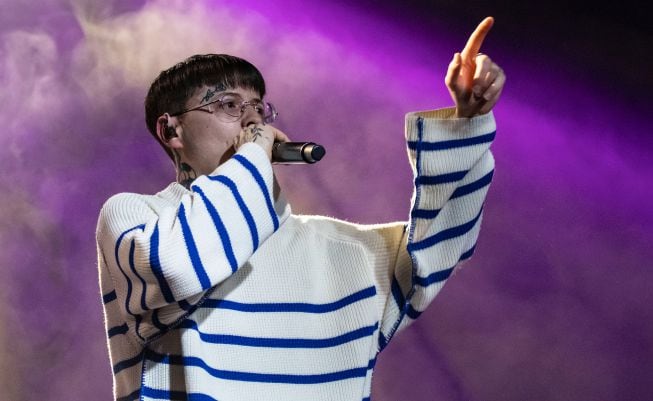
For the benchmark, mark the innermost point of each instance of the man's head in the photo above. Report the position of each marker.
(198, 80)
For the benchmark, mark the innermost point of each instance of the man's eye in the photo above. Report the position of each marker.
(259, 107)
(230, 104)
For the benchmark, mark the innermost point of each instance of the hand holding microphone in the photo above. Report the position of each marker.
(278, 147)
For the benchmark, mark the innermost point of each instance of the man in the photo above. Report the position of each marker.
(213, 290)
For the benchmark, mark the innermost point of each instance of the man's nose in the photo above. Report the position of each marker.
(250, 116)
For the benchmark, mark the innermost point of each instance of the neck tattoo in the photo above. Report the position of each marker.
(185, 173)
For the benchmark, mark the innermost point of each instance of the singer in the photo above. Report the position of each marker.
(214, 290)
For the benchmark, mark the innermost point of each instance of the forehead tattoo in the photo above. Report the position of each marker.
(210, 92)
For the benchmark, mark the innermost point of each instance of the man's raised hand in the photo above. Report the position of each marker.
(263, 135)
(475, 82)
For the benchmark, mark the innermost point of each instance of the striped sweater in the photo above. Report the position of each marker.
(220, 293)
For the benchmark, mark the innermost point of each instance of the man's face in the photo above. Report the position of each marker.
(206, 139)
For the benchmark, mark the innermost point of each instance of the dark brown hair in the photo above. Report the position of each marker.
(174, 86)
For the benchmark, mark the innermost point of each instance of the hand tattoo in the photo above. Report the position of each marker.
(256, 131)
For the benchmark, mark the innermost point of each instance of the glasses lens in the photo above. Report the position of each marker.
(269, 113)
(232, 105)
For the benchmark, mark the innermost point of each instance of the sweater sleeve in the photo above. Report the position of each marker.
(162, 260)
(453, 168)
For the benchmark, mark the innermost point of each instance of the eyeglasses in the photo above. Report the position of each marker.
(231, 107)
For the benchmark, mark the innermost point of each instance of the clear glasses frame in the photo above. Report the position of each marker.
(235, 110)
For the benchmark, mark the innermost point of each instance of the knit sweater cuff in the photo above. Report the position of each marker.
(441, 125)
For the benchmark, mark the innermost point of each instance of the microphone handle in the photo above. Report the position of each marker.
(297, 152)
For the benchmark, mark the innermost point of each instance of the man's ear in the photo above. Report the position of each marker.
(166, 129)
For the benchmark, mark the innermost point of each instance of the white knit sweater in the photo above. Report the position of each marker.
(218, 293)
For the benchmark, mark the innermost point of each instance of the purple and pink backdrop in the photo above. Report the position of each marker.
(556, 304)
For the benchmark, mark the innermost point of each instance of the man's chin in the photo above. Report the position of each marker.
(227, 155)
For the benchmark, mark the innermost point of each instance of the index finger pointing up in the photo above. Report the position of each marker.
(476, 39)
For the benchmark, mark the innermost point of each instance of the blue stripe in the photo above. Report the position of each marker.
(241, 204)
(441, 178)
(468, 254)
(471, 187)
(109, 297)
(175, 395)
(397, 294)
(412, 312)
(383, 342)
(132, 266)
(281, 342)
(131, 397)
(157, 323)
(396, 290)
(291, 307)
(452, 144)
(261, 377)
(424, 213)
(164, 394)
(183, 304)
(127, 363)
(220, 228)
(129, 283)
(433, 277)
(192, 250)
(155, 265)
(445, 234)
(199, 397)
(400, 300)
(418, 169)
(261, 183)
(114, 331)
(442, 275)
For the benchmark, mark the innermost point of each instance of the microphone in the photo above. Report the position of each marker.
(297, 152)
